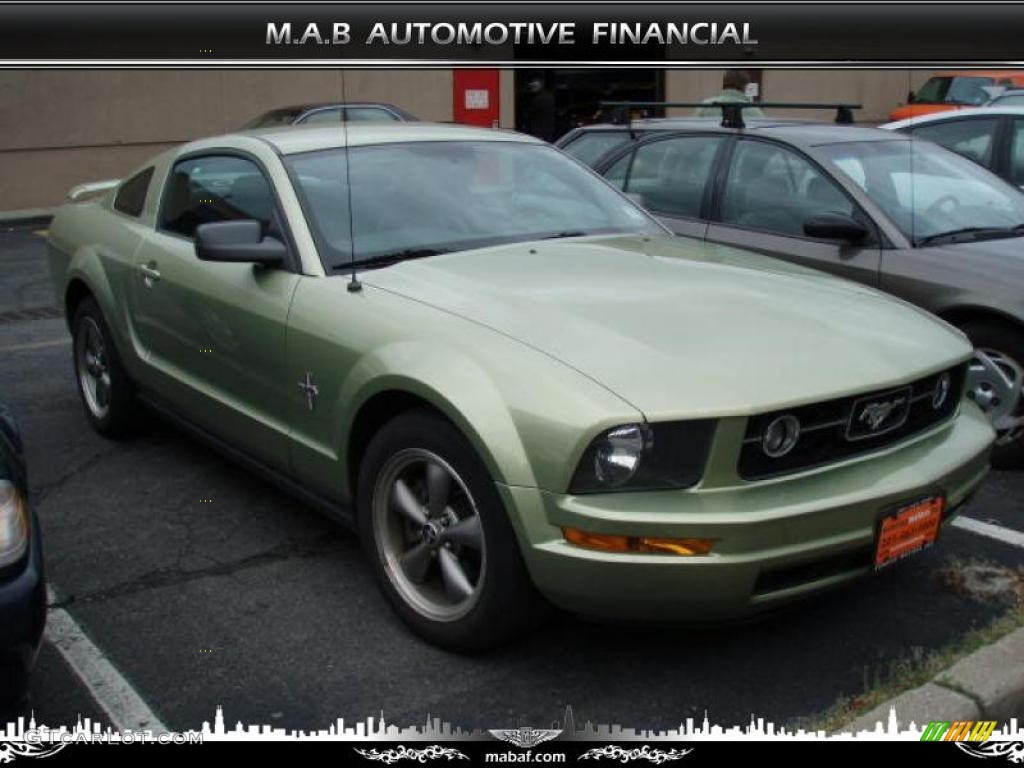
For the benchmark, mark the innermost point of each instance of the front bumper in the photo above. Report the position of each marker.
(775, 540)
(22, 618)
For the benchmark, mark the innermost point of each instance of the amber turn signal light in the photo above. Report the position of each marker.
(608, 542)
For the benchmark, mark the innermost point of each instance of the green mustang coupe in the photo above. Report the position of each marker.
(516, 385)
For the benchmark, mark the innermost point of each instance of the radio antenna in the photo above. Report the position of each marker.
(354, 286)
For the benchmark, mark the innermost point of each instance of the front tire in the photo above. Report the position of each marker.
(999, 342)
(106, 391)
(440, 540)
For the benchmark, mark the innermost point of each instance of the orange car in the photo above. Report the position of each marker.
(953, 90)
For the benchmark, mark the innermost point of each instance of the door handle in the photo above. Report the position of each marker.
(150, 274)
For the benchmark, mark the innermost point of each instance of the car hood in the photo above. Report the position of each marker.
(679, 327)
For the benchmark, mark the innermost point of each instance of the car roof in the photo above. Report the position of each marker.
(953, 114)
(328, 104)
(288, 140)
(981, 73)
(793, 130)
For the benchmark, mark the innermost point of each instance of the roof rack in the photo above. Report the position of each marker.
(732, 111)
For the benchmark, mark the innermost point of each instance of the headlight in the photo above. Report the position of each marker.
(636, 457)
(14, 525)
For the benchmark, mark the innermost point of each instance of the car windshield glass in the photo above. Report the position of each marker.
(418, 199)
(1009, 100)
(273, 118)
(954, 90)
(929, 191)
(591, 146)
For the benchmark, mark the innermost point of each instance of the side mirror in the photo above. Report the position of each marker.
(910, 97)
(835, 226)
(637, 198)
(238, 242)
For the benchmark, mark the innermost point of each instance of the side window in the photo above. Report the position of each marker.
(617, 173)
(368, 115)
(321, 116)
(131, 197)
(672, 174)
(772, 188)
(971, 138)
(1017, 153)
(215, 188)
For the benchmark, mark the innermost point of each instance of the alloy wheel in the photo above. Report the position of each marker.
(428, 534)
(93, 366)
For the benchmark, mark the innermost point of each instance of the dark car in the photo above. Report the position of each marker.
(309, 114)
(905, 216)
(22, 586)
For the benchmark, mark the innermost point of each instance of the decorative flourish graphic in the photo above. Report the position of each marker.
(1013, 751)
(525, 737)
(401, 752)
(9, 750)
(623, 755)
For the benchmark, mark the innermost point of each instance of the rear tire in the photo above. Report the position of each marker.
(1008, 341)
(439, 537)
(106, 391)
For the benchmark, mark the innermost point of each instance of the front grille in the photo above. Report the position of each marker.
(829, 432)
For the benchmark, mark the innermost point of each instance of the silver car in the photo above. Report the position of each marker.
(897, 213)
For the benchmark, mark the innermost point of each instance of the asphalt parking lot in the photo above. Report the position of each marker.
(254, 602)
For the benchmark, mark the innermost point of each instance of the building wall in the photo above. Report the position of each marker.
(58, 129)
(877, 90)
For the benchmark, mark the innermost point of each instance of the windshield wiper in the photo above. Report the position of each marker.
(566, 233)
(970, 234)
(392, 257)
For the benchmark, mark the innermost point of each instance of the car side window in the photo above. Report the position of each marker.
(617, 173)
(320, 117)
(131, 197)
(369, 115)
(972, 138)
(212, 188)
(1017, 153)
(672, 174)
(774, 189)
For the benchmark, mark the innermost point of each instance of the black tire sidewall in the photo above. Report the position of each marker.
(508, 603)
(118, 420)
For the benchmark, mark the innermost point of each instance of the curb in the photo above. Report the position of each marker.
(987, 684)
(26, 217)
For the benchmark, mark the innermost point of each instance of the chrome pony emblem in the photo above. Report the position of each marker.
(879, 414)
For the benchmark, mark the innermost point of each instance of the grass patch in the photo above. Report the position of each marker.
(919, 667)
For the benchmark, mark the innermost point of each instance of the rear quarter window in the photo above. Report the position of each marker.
(131, 196)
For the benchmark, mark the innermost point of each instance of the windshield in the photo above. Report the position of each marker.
(274, 118)
(418, 199)
(927, 190)
(954, 90)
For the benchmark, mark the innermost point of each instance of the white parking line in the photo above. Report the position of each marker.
(35, 345)
(115, 696)
(1005, 535)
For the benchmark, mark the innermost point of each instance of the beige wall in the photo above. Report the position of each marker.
(877, 90)
(58, 129)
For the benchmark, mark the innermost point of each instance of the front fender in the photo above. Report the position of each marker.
(454, 384)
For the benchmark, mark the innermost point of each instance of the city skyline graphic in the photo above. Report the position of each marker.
(375, 728)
